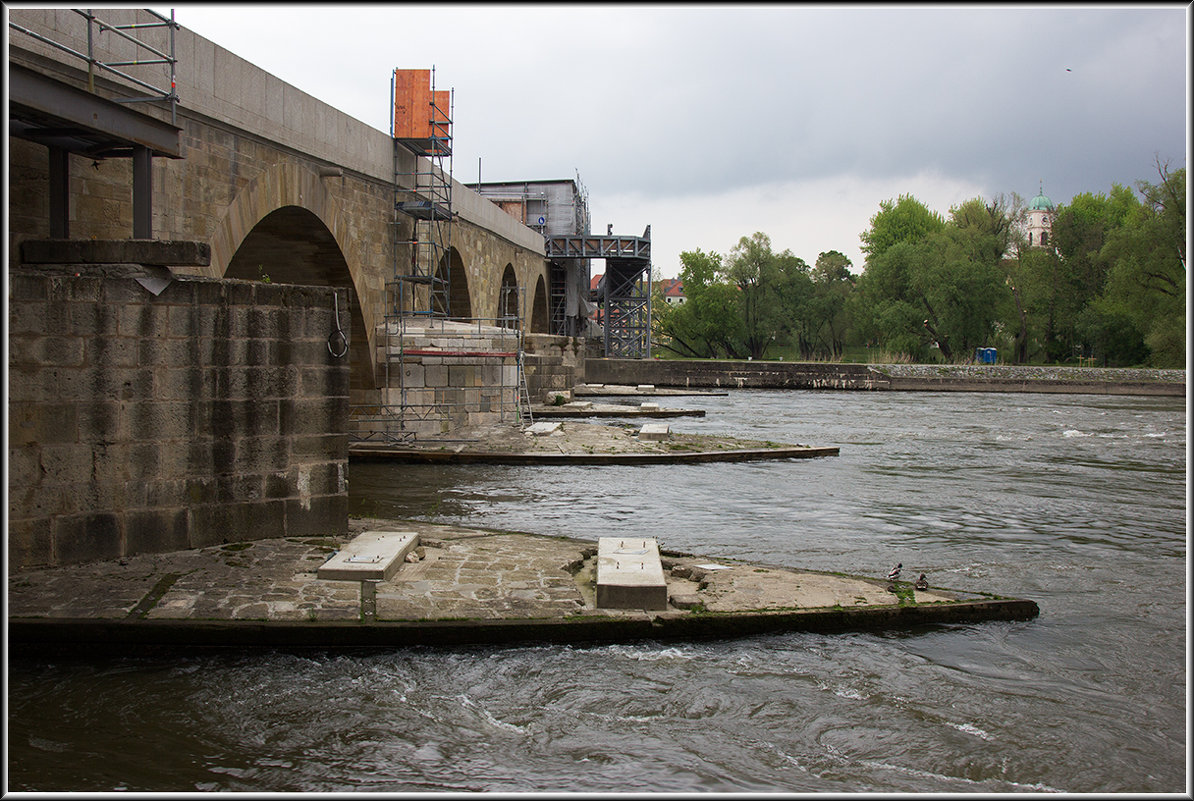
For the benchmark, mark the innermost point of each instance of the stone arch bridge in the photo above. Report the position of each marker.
(279, 186)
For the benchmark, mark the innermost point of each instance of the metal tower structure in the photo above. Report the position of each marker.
(624, 293)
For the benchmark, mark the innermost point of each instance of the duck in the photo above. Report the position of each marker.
(922, 583)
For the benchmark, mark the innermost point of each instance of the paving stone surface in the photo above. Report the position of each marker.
(461, 574)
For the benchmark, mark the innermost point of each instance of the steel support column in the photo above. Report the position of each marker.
(59, 193)
(142, 193)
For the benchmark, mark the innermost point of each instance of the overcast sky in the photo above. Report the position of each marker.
(712, 122)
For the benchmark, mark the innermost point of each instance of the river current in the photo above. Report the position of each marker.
(1077, 502)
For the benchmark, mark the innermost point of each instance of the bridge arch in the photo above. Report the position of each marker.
(508, 305)
(540, 321)
(460, 303)
(285, 227)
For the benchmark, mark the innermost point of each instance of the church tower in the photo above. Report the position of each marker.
(1040, 220)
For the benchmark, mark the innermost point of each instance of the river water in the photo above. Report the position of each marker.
(1077, 502)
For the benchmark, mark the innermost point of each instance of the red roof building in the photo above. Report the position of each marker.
(673, 290)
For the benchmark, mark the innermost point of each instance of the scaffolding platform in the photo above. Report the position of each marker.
(424, 209)
(600, 247)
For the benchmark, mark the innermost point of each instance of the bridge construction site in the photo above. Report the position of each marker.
(441, 368)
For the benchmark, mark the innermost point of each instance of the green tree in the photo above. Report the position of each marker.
(940, 285)
(707, 324)
(774, 291)
(903, 220)
(1080, 231)
(1141, 313)
(1033, 277)
(830, 320)
(993, 227)
(885, 307)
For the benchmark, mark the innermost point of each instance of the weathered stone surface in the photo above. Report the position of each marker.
(141, 435)
(654, 431)
(957, 378)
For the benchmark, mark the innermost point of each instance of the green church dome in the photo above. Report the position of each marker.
(1041, 202)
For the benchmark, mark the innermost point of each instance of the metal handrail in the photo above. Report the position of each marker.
(162, 95)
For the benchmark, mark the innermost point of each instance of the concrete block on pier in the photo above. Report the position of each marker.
(372, 556)
(655, 431)
(629, 574)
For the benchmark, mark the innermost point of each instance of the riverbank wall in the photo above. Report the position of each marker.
(885, 377)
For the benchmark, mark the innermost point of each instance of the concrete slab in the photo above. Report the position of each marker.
(655, 431)
(629, 574)
(649, 407)
(542, 429)
(372, 556)
(645, 388)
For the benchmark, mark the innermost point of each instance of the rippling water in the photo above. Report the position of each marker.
(1078, 502)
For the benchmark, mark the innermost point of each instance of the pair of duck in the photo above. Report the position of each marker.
(921, 583)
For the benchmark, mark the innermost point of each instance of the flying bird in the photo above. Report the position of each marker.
(1067, 69)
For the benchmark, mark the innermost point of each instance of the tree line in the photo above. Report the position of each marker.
(1109, 288)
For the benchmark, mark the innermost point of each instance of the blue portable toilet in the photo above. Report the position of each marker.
(985, 355)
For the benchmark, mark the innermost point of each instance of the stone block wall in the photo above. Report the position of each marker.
(554, 364)
(443, 375)
(139, 423)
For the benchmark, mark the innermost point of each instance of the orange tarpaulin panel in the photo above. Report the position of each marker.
(412, 104)
(441, 114)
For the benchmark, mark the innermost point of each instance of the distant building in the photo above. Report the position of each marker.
(1039, 222)
(553, 208)
(673, 290)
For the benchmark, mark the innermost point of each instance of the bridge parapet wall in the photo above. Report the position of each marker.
(210, 413)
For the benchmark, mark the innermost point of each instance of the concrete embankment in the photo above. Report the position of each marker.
(463, 586)
(886, 377)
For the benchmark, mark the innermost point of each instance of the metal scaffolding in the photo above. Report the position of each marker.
(99, 126)
(557, 208)
(145, 54)
(438, 371)
(422, 263)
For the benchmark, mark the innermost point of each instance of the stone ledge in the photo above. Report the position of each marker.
(162, 253)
